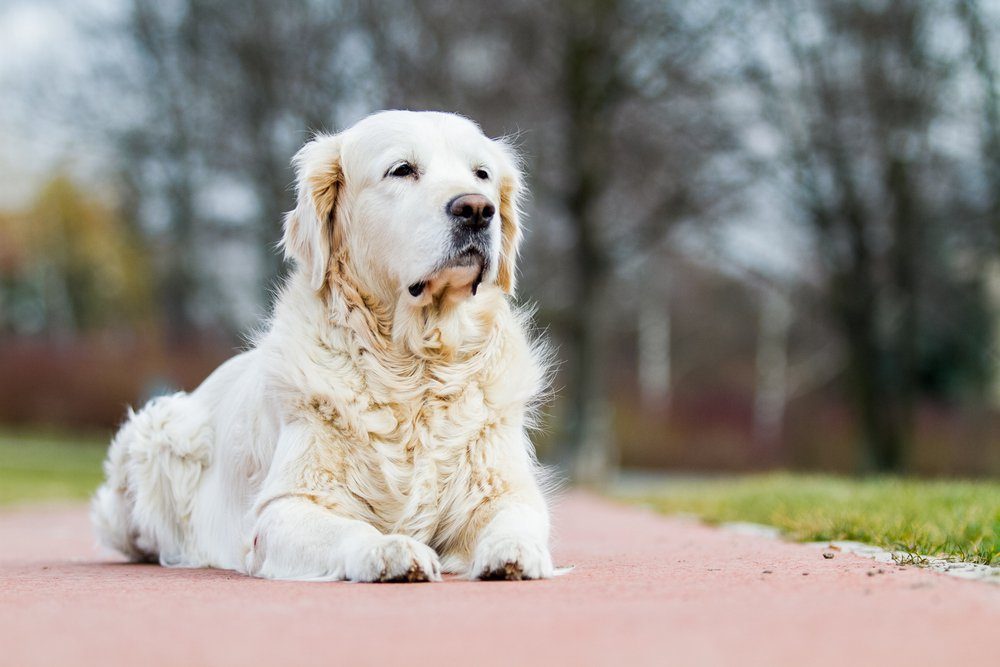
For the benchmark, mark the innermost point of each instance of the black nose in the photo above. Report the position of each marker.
(471, 211)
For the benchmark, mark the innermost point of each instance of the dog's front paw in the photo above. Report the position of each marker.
(394, 558)
(511, 558)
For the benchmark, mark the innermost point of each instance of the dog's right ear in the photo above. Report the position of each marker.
(310, 237)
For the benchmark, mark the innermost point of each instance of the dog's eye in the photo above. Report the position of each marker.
(402, 170)
(482, 174)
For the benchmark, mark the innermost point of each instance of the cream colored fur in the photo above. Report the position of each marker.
(369, 434)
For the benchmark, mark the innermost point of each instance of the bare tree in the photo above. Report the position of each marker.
(982, 41)
(852, 92)
(195, 93)
(159, 142)
(273, 73)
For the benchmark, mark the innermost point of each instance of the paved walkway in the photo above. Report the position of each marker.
(646, 591)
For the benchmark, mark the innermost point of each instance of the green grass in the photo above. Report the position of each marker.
(951, 519)
(38, 468)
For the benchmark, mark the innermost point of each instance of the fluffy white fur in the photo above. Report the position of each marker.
(369, 434)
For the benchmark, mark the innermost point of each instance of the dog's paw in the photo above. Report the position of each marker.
(394, 558)
(511, 558)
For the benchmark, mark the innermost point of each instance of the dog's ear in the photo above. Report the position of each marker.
(310, 237)
(512, 193)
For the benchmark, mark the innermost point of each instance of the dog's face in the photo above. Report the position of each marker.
(422, 202)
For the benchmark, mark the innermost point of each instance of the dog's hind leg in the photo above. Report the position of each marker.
(153, 469)
(111, 506)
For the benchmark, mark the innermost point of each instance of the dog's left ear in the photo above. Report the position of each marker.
(512, 193)
(310, 237)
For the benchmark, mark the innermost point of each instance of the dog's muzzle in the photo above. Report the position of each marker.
(472, 215)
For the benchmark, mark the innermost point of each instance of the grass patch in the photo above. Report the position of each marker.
(958, 520)
(36, 467)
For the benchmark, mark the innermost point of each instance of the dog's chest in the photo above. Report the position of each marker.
(406, 453)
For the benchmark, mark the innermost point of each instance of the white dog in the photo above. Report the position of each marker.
(376, 430)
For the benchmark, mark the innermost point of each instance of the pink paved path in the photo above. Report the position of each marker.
(646, 590)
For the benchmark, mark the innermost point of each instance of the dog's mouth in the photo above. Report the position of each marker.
(470, 258)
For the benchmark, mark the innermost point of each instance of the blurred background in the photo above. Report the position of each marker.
(761, 235)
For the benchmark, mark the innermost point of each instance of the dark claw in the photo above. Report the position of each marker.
(509, 572)
(414, 575)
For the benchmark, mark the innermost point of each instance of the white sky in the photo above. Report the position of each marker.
(39, 47)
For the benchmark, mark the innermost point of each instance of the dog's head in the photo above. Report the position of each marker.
(422, 203)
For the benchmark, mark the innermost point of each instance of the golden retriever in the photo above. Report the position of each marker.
(376, 430)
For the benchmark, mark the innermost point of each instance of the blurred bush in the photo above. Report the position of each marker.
(70, 266)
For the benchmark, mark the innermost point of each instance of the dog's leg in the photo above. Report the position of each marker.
(154, 469)
(513, 544)
(504, 532)
(298, 539)
(294, 537)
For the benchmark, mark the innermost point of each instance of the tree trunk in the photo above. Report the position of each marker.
(275, 202)
(983, 57)
(771, 391)
(654, 351)
(178, 286)
(874, 396)
(588, 448)
(906, 256)
(590, 88)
